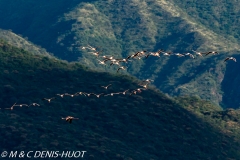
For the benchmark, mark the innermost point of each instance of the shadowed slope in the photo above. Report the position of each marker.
(144, 126)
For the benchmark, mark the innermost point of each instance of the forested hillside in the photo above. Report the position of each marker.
(121, 28)
(147, 125)
(20, 42)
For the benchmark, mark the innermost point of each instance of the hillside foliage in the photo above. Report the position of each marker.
(148, 125)
(121, 28)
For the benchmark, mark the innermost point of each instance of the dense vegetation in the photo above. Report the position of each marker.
(144, 126)
(220, 16)
(20, 42)
(227, 120)
(121, 28)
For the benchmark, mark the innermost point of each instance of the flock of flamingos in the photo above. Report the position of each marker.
(145, 54)
(118, 62)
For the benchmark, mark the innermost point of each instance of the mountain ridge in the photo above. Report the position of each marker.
(20, 42)
(123, 28)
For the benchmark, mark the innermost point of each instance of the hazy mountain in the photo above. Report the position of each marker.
(147, 125)
(121, 28)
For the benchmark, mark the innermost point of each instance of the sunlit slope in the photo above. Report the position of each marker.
(18, 41)
(121, 28)
(220, 16)
(228, 120)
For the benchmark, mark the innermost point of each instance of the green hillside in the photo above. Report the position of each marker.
(122, 28)
(18, 41)
(147, 125)
(222, 15)
(226, 120)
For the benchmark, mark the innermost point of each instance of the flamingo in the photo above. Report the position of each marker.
(69, 119)
(123, 68)
(48, 99)
(106, 87)
(34, 104)
(230, 58)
